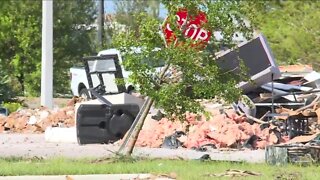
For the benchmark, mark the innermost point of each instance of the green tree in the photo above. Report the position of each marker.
(154, 6)
(126, 11)
(20, 41)
(73, 37)
(193, 72)
(6, 92)
(125, 16)
(291, 29)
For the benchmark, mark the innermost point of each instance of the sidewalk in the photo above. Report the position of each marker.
(34, 145)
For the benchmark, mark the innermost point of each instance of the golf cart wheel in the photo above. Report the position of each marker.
(130, 90)
(84, 93)
(246, 106)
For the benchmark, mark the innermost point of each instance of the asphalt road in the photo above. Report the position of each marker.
(34, 145)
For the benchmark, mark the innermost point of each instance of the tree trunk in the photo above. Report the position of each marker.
(139, 126)
(132, 139)
(21, 81)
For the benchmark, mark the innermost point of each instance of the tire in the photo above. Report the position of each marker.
(130, 90)
(246, 106)
(84, 93)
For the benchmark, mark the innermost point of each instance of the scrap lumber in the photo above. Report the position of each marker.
(260, 121)
(235, 173)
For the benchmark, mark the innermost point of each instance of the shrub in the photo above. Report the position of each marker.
(5, 91)
(12, 106)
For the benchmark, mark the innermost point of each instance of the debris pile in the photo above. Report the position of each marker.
(291, 101)
(37, 120)
(272, 113)
(226, 130)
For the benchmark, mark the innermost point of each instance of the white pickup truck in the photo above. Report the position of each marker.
(79, 81)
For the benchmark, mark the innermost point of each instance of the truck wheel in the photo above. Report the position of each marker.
(84, 93)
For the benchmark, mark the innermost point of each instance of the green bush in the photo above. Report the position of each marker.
(8, 85)
(12, 106)
(5, 92)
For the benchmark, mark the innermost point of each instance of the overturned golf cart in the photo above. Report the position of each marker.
(107, 116)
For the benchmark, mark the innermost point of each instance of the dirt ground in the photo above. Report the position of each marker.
(35, 102)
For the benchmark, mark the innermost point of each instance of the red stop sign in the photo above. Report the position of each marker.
(192, 27)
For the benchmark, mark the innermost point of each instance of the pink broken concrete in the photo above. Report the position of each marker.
(222, 130)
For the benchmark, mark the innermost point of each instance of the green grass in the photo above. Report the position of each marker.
(183, 169)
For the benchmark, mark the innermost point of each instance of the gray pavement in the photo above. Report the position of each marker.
(34, 145)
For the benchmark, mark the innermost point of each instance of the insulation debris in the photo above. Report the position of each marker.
(227, 130)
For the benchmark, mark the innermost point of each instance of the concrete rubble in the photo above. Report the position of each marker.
(38, 119)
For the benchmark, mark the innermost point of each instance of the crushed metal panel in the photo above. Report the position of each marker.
(312, 76)
(294, 154)
(276, 155)
(288, 87)
(313, 79)
(258, 58)
(279, 93)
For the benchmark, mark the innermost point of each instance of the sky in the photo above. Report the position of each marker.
(109, 7)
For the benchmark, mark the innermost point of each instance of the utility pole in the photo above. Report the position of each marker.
(46, 54)
(100, 23)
